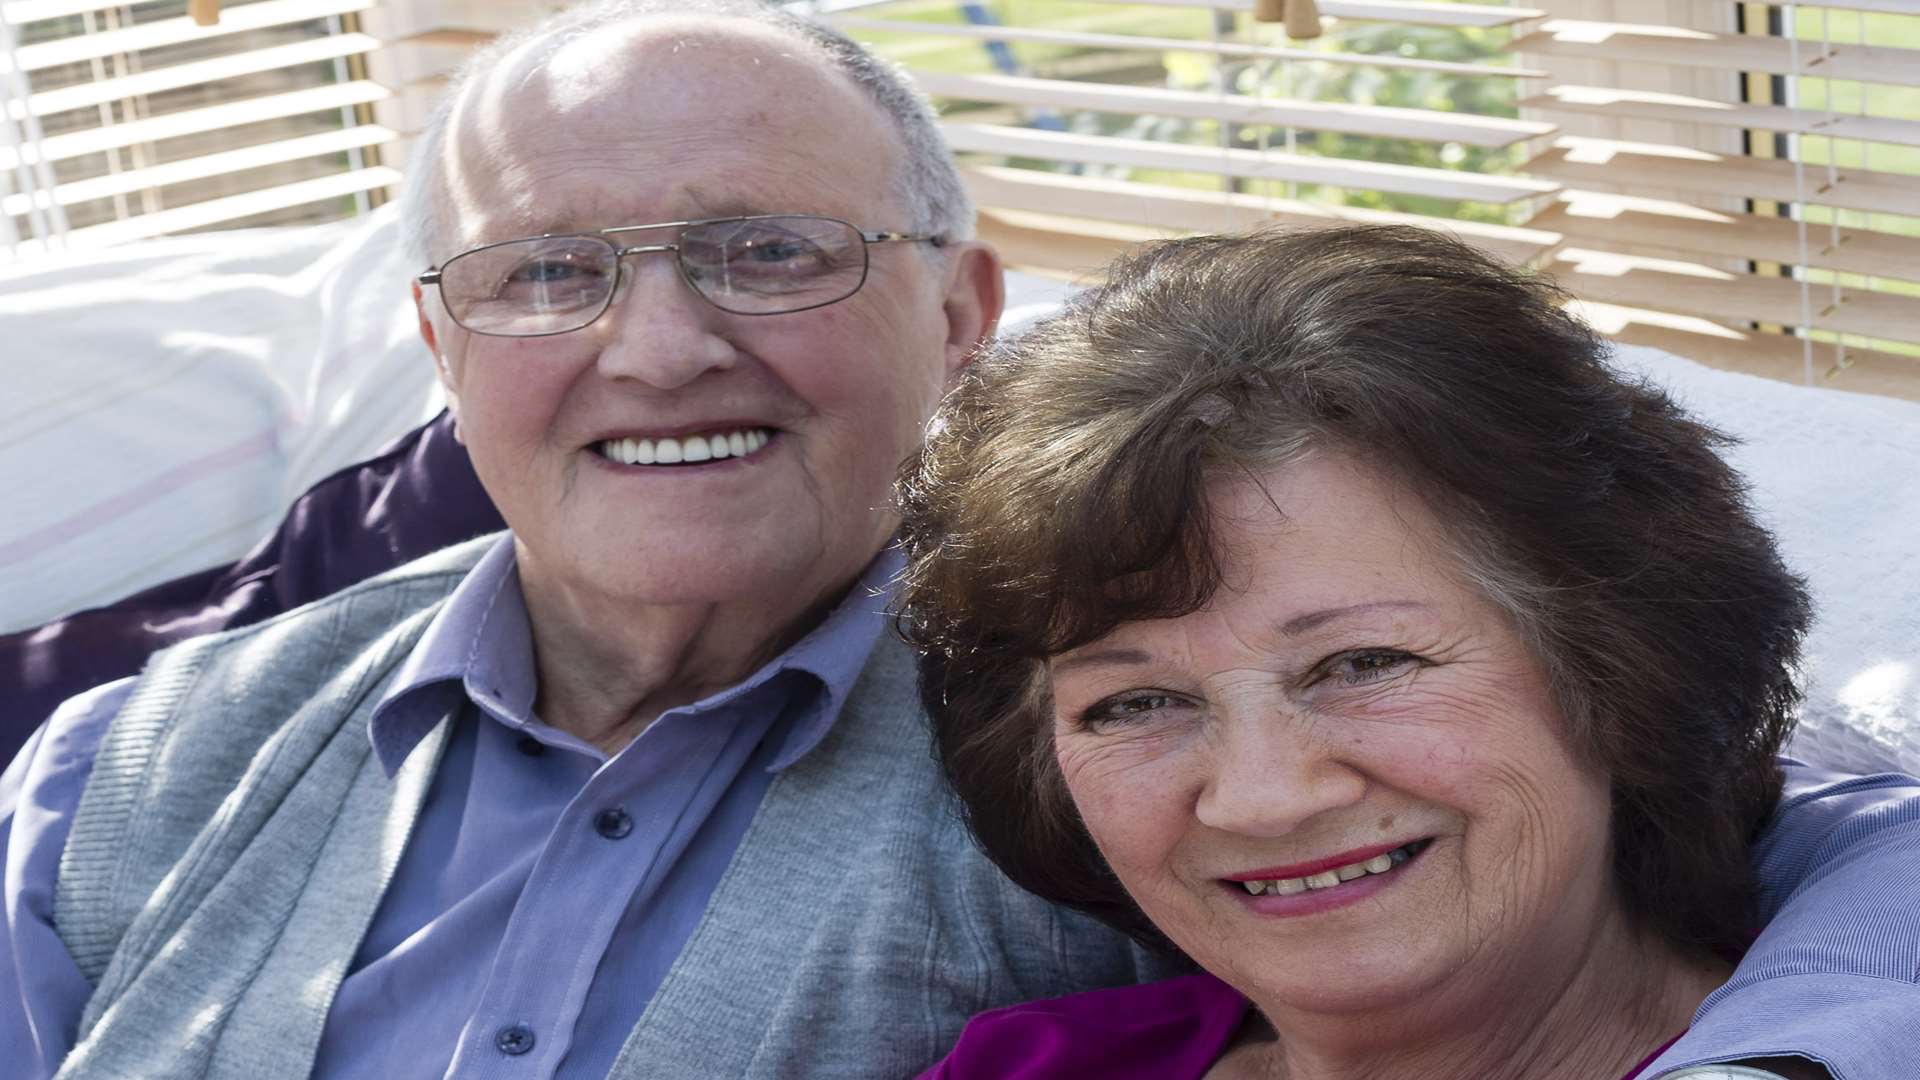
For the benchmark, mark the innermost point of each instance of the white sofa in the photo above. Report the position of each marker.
(164, 403)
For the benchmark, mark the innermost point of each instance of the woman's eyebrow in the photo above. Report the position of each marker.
(1300, 624)
(1115, 657)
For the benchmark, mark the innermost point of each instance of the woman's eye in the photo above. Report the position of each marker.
(1364, 666)
(1126, 708)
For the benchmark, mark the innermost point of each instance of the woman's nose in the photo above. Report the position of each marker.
(1269, 773)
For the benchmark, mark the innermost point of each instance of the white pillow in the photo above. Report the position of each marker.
(1837, 477)
(162, 404)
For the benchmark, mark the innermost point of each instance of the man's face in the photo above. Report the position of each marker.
(678, 122)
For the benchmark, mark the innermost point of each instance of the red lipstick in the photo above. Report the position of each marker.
(1317, 866)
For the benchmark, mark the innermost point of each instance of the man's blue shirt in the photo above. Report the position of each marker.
(547, 887)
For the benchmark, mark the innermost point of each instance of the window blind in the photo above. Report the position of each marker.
(1737, 183)
(124, 121)
(1785, 238)
(1096, 125)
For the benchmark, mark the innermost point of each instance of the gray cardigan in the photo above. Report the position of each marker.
(237, 834)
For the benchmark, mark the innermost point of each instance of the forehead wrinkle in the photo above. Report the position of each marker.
(605, 170)
(530, 195)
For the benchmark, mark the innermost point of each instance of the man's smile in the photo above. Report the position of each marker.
(689, 449)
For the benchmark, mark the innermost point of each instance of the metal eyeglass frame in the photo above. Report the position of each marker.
(432, 275)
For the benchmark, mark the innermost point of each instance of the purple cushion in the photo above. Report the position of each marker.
(417, 495)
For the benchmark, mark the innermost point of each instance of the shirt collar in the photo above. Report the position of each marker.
(480, 646)
(836, 652)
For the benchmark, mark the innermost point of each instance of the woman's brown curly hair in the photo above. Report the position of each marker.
(1063, 492)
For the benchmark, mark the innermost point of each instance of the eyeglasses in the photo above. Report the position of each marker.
(767, 264)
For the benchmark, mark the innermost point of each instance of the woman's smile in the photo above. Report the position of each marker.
(1304, 890)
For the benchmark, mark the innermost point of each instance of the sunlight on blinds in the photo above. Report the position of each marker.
(131, 120)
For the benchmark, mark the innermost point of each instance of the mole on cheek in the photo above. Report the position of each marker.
(1386, 823)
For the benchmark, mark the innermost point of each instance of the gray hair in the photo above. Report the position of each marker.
(926, 179)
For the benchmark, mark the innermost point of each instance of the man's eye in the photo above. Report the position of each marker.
(543, 271)
(778, 251)
(1363, 666)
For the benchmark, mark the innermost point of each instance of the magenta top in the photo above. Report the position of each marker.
(1170, 1030)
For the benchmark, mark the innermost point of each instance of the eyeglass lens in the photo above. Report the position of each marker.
(750, 266)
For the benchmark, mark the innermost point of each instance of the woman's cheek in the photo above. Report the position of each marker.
(1119, 774)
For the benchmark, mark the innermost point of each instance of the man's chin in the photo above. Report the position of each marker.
(669, 566)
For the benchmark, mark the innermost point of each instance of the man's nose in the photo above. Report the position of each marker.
(1271, 771)
(658, 330)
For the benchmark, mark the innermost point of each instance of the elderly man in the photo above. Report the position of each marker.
(638, 788)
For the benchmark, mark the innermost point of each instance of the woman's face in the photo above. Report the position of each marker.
(1348, 719)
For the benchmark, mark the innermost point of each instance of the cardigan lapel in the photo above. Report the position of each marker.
(760, 922)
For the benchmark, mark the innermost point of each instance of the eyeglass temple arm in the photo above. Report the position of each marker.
(431, 277)
(936, 239)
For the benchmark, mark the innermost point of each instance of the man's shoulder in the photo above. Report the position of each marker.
(304, 643)
(434, 573)
(202, 708)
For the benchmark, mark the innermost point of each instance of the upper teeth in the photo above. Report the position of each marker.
(706, 446)
(1327, 879)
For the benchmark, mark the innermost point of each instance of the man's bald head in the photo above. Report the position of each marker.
(559, 54)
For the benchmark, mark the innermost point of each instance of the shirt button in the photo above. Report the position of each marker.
(515, 1039)
(613, 824)
(531, 746)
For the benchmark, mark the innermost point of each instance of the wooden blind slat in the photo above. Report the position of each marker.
(1058, 247)
(1774, 356)
(1482, 16)
(1249, 164)
(1647, 283)
(215, 211)
(1622, 222)
(1648, 169)
(199, 72)
(211, 118)
(164, 32)
(1723, 52)
(1884, 7)
(1191, 210)
(1430, 125)
(1159, 44)
(1605, 101)
(188, 170)
(21, 12)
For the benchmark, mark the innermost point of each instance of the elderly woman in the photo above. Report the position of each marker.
(1322, 606)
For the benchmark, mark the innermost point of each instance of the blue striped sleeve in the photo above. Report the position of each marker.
(1835, 974)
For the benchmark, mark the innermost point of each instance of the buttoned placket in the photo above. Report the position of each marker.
(604, 855)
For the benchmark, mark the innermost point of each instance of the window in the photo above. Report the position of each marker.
(135, 120)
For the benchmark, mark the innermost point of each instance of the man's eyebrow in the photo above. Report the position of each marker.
(1115, 657)
(1300, 624)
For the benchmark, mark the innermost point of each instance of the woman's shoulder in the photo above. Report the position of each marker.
(1160, 1030)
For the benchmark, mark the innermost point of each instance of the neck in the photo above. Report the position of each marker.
(609, 668)
(1599, 1016)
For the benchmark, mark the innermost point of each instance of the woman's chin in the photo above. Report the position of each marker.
(1389, 982)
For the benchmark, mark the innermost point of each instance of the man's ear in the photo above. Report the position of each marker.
(428, 335)
(976, 292)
